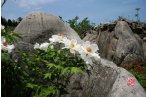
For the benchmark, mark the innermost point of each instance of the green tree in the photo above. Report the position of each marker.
(10, 23)
(3, 21)
(81, 27)
(19, 19)
(73, 23)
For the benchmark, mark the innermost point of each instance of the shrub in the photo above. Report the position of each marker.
(140, 77)
(48, 72)
(81, 27)
(11, 77)
(50, 67)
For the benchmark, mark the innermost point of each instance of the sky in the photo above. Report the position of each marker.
(97, 11)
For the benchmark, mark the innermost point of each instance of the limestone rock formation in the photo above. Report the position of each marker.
(127, 44)
(119, 44)
(105, 80)
(91, 37)
(144, 48)
(39, 27)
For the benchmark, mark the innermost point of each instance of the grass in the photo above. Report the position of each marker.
(139, 71)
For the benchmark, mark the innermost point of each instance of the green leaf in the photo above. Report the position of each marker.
(30, 85)
(50, 65)
(25, 73)
(65, 71)
(76, 70)
(50, 91)
(5, 57)
(47, 75)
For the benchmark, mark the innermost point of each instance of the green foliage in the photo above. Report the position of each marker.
(11, 77)
(5, 57)
(37, 74)
(10, 36)
(19, 19)
(47, 73)
(140, 77)
(8, 23)
(11, 73)
(81, 27)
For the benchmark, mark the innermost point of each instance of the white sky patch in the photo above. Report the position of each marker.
(27, 3)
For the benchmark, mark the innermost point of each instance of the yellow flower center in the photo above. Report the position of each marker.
(89, 49)
(72, 45)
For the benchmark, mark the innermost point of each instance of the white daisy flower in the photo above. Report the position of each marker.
(72, 45)
(89, 49)
(88, 52)
(5, 46)
(10, 48)
(2, 27)
(86, 58)
(57, 38)
(96, 56)
(44, 46)
(36, 46)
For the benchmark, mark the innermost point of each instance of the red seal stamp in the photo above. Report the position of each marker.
(131, 81)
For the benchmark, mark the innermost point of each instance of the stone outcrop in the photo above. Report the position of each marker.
(118, 43)
(104, 80)
(144, 48)
(91, 37)
(39, 27)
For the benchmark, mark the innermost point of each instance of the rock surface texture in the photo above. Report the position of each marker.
(39, 27)
(144, 48)
(119, 44)
(104, 80)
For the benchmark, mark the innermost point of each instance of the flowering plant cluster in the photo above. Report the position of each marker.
(4, 45)
(11, 78)
(55, 62)
(47, 70)
(86, 51)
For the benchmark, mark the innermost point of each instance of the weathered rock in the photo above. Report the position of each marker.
(144, 39)
(90, 37)
(144, 48)
(39, 27)
(116, 45)
(105, 80)
(127, 43)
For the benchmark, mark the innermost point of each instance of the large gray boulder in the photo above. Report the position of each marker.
(128, 46)
(39, 27)
(119, 44)
(104, 80)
